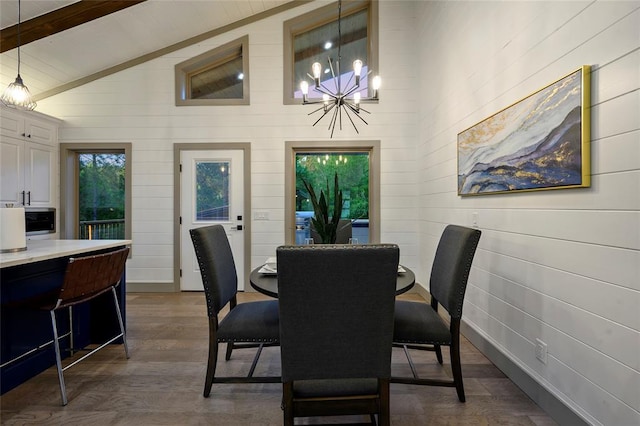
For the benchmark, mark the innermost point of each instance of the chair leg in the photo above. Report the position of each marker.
(213, 357)
(456, 368)
(287, 403)
(56, 345)
(229, 349)
(384, 414)
(124, 335)
(438, 351)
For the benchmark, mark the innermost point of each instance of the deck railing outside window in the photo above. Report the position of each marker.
(102, 229)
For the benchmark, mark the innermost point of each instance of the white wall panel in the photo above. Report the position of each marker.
(618, 153)
(561, 265)
(613, 266)
(606, 336)
(592, 402)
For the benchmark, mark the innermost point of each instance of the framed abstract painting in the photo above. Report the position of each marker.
(540, 142)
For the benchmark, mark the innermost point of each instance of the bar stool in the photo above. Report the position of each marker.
(86, 278)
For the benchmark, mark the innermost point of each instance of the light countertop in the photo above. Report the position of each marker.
(39, 250)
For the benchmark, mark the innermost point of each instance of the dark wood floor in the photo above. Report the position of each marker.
(161, 384)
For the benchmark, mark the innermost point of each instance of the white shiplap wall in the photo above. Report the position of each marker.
(137, 106)
(562, 266)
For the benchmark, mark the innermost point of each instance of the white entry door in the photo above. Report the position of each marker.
(211, 188)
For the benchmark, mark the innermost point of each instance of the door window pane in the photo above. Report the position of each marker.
(212, 191)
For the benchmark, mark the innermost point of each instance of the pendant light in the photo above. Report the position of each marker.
(17, 95)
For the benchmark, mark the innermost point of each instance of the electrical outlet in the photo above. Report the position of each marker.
(541, 351)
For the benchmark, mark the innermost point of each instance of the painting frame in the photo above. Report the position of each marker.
(538, 143)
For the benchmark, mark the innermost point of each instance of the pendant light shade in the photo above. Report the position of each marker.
(17, 95)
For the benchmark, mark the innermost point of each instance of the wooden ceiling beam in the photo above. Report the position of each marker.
(59, 20)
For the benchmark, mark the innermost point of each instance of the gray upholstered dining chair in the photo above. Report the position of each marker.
(246, 325)
(336, 329)
(419, 326)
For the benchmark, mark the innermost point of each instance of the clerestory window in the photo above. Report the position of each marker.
(313, 37)
(217, 77)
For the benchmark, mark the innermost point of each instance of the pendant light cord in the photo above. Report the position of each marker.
(339, 46)
(339, 29)
(19, 37)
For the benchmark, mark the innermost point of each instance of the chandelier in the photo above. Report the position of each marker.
(17, 95)
(343, 98)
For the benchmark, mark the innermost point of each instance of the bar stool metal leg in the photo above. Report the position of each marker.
(72, 344)
(56, 345)
(124, 335)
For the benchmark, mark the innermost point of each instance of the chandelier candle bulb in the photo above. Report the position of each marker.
(316, 68)
(376, 85)
(357, 69)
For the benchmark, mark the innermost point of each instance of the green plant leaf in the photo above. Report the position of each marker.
(326, 229)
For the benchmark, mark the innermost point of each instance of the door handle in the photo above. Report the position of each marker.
(236, 228)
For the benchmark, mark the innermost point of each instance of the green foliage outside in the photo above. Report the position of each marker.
(102, 186)
(318, 170)
(212, 190)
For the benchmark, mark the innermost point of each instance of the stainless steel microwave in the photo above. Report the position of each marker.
(40, 220)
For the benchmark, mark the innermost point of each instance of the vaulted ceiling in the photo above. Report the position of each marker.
(67, 43)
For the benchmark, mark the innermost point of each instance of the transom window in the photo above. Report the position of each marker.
(217, 77)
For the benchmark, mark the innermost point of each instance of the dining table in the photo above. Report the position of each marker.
(264, 279)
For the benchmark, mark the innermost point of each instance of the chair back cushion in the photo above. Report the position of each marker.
(87, 277)
(336, 310)
(217, 268)
(451, 267)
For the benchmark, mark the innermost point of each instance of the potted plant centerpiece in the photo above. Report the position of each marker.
(325, 221)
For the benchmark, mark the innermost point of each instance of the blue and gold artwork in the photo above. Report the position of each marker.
(540, 142)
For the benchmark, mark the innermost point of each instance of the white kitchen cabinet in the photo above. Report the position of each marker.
(28, 159)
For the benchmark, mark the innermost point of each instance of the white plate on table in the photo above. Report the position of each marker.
(268, 270)
(270, 267)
